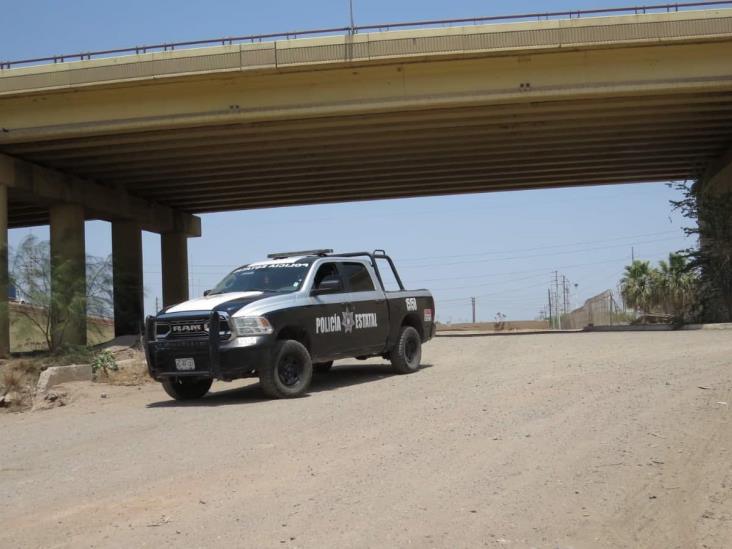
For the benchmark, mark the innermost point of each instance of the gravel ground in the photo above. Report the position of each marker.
(565, 440)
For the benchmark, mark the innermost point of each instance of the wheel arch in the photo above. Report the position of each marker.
(412, 319)
(297, 333)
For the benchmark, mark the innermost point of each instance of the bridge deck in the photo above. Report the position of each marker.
(409, 113)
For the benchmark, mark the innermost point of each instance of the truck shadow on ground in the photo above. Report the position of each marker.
(340, 376)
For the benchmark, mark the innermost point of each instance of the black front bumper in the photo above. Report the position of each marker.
(212, 357)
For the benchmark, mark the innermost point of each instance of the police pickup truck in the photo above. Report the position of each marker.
(282, 318)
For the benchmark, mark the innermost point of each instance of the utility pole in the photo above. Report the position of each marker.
(556, 299)
(632, 254)
(551, 316)
(472, 301)
(157, 308)
(350, 8)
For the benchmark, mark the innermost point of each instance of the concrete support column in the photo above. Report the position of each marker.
(174, 257)
(4, 309)
(127, 273)
(68, 274)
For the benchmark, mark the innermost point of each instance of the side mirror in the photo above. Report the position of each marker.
(328, 286)
(206, 292)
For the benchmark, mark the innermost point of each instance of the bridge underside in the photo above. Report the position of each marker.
(411, 153)
(146, 141)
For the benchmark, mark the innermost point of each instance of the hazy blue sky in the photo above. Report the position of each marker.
(500, 247)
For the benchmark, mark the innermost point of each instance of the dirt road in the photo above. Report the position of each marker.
(572, 440)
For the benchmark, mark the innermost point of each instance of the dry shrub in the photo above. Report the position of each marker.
(13, 380)
(17, 374)
(17, 382)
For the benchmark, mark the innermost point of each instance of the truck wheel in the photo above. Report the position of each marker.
(323, 367)
(289, 372)
(407, 353)
(187, 388)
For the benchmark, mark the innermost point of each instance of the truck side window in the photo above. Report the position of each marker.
(359, 279)
(327, 271)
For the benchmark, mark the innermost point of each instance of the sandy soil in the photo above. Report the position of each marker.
(563, 440)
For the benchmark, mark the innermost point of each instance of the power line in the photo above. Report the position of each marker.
(564, 252)
(477, 254)
(538, 273)
(504, 292)
(425, 265)
(543, 270)
(581, 243)
(438, 289)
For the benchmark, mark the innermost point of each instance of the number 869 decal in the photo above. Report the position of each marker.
(411, 303)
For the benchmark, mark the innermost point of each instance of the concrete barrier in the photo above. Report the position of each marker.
(55, 375)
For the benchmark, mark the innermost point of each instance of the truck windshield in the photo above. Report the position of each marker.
(264, 277)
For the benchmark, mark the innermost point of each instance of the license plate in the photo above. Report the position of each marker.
(184, 364)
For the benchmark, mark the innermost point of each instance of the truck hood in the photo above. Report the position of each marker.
(228, 302)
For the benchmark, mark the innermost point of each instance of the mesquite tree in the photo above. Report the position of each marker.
(32, 276)
(711, 258)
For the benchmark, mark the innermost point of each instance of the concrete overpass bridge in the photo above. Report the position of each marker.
(148, 139)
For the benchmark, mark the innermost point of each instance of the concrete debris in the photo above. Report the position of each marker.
(12, 397)
(55, 375)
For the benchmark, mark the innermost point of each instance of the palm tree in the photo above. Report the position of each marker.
(671, 288)
(676, 285)
(638, 285)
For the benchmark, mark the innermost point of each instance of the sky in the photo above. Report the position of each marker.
(501, 248)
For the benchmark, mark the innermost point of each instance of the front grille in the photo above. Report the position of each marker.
(190, 328)
(165, 352)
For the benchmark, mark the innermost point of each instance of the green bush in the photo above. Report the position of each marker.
(104, 361)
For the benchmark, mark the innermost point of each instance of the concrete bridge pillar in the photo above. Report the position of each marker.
(68, 274)
(174, 257)
(127, 274)
(4, 309)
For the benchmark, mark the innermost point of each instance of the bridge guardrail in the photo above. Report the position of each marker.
(353, 30)
(364, 48)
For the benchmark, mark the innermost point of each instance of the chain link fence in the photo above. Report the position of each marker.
(600, 310)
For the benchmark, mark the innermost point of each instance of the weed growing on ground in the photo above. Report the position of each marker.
(104, 362)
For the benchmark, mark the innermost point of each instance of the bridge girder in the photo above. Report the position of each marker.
(33, 183)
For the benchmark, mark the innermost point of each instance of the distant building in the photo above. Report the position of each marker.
(12, 293)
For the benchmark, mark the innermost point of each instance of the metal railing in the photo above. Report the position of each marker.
(381, 27)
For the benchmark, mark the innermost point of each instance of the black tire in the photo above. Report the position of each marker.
(323, 367)
(187, 388)
(289, 372)
(407, 353)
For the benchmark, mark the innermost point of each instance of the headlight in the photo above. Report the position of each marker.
(252, 325)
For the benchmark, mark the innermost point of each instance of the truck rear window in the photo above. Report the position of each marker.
(359, 279)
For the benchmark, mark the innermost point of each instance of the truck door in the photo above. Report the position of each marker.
(368, 307)
(328, 303)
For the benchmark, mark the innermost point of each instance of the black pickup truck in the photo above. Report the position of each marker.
(285, 317)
